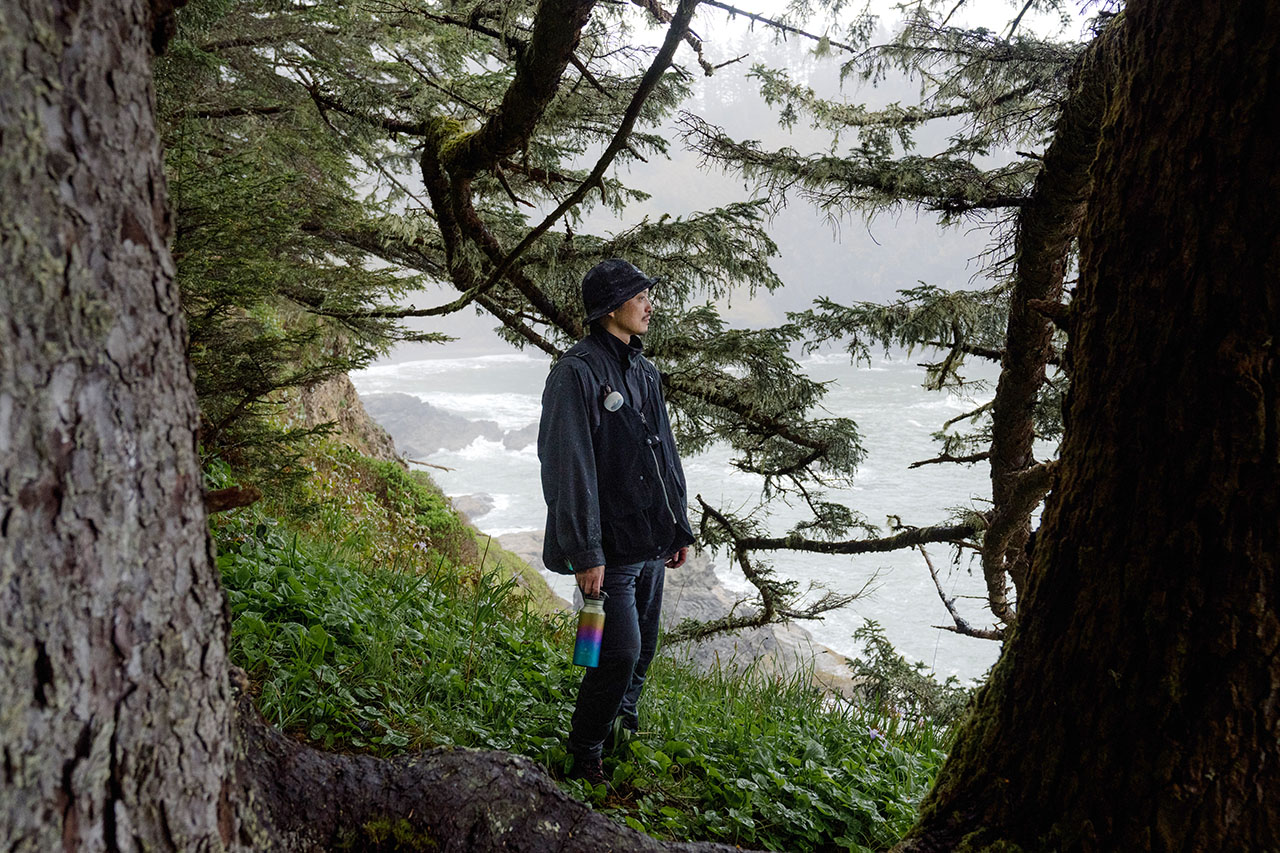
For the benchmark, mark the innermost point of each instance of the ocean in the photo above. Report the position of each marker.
(896, 417)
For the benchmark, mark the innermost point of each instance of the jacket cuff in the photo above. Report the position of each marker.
(588, 559)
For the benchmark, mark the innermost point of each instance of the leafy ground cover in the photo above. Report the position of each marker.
(376, 621)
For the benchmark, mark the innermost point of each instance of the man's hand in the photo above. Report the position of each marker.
(590, 581)
(677, 559)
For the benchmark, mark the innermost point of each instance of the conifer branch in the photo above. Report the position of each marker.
(516, 45)
(1013, 27)
(996, 355)
(233, 112)
(473, 227)
(909, 538)
(556, 29)
(961, 626)
(391, 125)
(709, 392)
(502, 179)
(949, 185)
(652, 76)
(264, 40)
(780, 26)
(588, 76)
(967, 415)
(428, 80)
(515, 324)
(776, 87)
(654, 8)
(776, 598)
(947, 457)
(533, 173)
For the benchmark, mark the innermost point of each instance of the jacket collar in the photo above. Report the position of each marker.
(624, 353)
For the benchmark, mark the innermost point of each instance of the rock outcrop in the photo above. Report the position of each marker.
(336, 401)
(420, 429)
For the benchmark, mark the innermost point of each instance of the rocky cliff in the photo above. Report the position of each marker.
(336, 401)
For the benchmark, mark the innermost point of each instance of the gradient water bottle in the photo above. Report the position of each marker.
(586, 651)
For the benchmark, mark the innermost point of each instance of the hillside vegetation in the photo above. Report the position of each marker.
(370, 617)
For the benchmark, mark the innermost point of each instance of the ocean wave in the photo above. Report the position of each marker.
(433, 366)
(509, 411)
(483, 449)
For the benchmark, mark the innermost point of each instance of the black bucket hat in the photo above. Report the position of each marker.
(609, 284)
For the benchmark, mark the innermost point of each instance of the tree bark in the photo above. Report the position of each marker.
(1047, 225)
(114, 723)
(1136, 706)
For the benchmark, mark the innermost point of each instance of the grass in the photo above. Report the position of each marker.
(375, 621)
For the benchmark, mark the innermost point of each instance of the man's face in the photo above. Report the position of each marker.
(632, 317)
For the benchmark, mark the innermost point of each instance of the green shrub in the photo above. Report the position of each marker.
(769, 762)
(900, 689)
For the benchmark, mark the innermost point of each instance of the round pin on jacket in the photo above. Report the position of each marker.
(612, 401)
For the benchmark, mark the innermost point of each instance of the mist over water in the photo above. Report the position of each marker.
(896, 418)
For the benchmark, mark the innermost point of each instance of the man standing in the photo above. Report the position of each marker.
(615, 492)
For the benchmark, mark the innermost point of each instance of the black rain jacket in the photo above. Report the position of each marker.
(613, 483)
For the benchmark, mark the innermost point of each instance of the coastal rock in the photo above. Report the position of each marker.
(421, 429)
(519, 439)
(472, 506)
(335, 401)
(527, 545)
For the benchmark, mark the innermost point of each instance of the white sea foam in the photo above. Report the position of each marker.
(436, 366)
(510, 411)
(405, 376)
(482, 449)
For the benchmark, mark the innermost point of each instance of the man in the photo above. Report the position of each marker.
(615, 492)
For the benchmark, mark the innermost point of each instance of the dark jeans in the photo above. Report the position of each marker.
(612, 689)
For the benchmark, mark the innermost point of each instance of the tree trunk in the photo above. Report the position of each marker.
(114, 723)
(1137, 706)
(1047, 224)
(117, 726)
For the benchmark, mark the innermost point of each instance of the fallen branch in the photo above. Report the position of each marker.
(427, 464)
(232, 497)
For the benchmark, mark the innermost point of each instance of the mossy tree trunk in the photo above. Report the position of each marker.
(114, 723)
(1137, 706)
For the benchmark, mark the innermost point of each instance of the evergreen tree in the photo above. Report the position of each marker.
(255, 176)
(1139, 685)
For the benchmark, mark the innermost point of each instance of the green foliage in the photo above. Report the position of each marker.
(385, 658)
(769, 762)
(354, 643)
(903, 690)
(258, 184)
